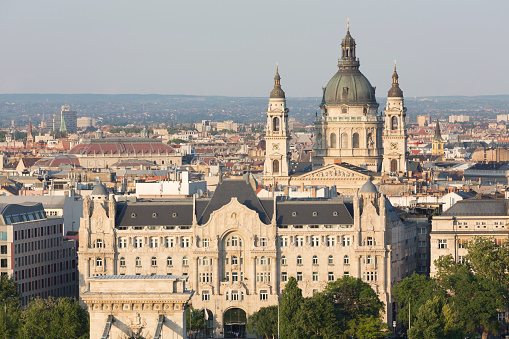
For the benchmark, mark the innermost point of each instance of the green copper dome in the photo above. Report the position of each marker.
(348, 86)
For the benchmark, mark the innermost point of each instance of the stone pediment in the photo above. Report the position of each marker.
(334, 172)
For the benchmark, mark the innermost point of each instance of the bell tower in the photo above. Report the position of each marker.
(277, 137)
(395, 137)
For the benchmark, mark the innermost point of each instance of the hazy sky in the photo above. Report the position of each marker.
(215, 47)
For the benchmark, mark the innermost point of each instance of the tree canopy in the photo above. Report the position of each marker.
(469, 293)
(347, 307)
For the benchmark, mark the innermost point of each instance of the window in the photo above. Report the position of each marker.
(369, 241)
(264, 295)
(423, 231)
(3, 249)
(331, 241)
(185, 242)
(3, 263)
(461, 243)
(138, 261)
(138, 242)
(442, 243)
(99, 262)
(235, 295)
(206, 261)
(169, 242)
(501, 316)
(346, 241)
(355, 140)
(369, 276)
(315, 260)
(315, 241)
(283, 261)
(331, 260)
(299, 260)
(284, 276)
(154, 242)
(422, 243)
(153, 261)
(205, 242)
(346, 260)
(369, 260)
(283, 241)
(263, 260)
(122, 243)
(423, 256)
(315, 276)
(185, 261)
(263, 242)
(299, 276)
(330, 276)
(234, 240)
(299, 241)
(169, 261)
(235, 260)
(98, 243)
(346, 274)
(205, 295)
(122, 262)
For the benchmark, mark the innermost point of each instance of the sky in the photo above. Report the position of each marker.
(230, 48)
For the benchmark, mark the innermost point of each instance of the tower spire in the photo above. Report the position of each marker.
(438, 134)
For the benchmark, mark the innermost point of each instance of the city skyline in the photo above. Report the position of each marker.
(231, 49)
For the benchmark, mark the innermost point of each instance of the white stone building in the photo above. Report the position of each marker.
(238, 251)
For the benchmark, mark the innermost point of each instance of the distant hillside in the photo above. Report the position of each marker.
(144, 108)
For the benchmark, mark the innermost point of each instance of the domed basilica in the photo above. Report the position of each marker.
(349, 129)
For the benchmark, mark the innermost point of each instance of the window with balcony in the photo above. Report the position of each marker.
(264, 295)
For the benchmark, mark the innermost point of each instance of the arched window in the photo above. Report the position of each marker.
(283, 260)
(263, 260)
(185, 261)
(333, 140)
(138, 261)
(346, 260)
(275, 124)
(169, 261)
(99, 262)
(355, 140)
(122, 262)
(153, 261)
(369, 259)
(99, 243)
(299, 260)
(275, 166)
(394, 123)
(235, 260)
(234, 240)
(205, 261)
(331, 260)
(344, 140)
(315, 260)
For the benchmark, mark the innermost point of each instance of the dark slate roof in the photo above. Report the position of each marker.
(141, 213)
(7, 209)
(234, 188)
(478, 208)
(301, 212)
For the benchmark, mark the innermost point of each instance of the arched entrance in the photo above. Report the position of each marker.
(209, 323)
(234, 323)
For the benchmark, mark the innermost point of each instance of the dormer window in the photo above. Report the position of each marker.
(154, 215)
(133, 215)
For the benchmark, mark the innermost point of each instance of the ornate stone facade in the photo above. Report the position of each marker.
(238, 251)
(123, 307)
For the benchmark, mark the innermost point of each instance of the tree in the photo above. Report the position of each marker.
(289, 306)
(264, 322)
(352, 298)
(9, 307)
(367, 327)
(316, 317)
(436, 320)
(61, 318)
(413, 292)
(195, 319)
